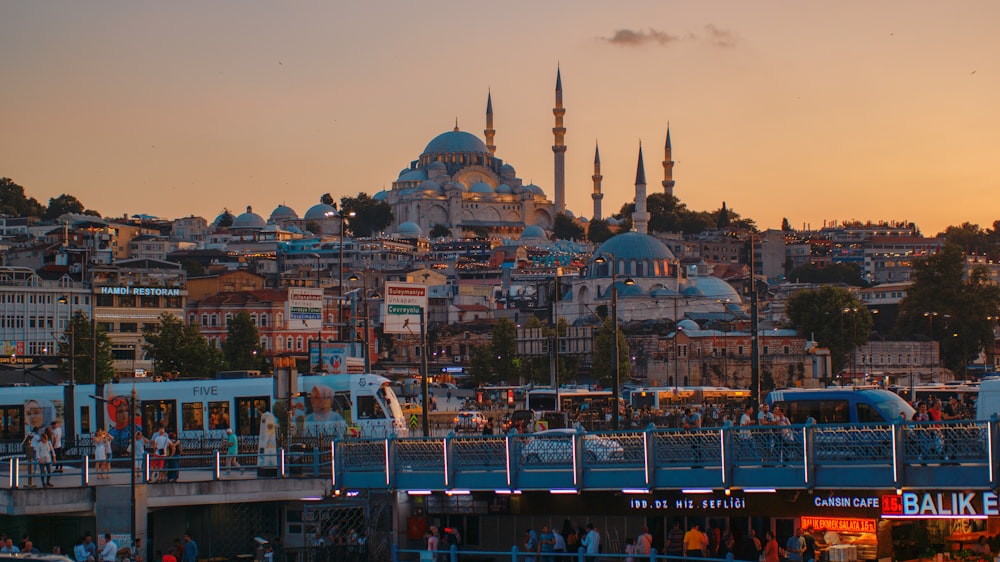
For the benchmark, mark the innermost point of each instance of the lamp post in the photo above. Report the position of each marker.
(754, 327)
(70, 421)
(364, 303)
(610, 260)
(340, 272)
(854, 336)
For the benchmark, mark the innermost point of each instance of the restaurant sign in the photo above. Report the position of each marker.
(941, 505)
(839, 524)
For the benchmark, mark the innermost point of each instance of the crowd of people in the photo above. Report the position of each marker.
(86, 549)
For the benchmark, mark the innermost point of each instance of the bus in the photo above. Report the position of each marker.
(967, 392)
(665, 397)
(571, 399)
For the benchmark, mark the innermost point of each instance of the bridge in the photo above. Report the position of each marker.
(805, 457)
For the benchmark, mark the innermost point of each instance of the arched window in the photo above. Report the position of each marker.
(298, 343)
(263, 319)
(288, 344)
(204, 319)
(215, 320)
(229, 318)
(253, 319)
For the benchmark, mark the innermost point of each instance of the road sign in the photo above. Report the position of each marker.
(404, 304)
(413, 421)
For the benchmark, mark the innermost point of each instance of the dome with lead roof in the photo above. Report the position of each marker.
(634, 254)
(456, 142)
(480, 187)
(283, 213)
(533, 232)
(249, 219)
(409, 230)
(320, 211)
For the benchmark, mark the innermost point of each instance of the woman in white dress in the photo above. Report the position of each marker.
(102, 453)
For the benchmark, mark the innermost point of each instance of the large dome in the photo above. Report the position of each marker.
(634, 254)
(456, 141)
(409, 230)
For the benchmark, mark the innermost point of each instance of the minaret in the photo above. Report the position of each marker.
(489, 131)
(668, 167)
(597, 196)
(640, 218)
(559, 148)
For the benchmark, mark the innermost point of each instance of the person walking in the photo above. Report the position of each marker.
(644, 542)
(547, 543)
(44, 453)
(57, 444)
(694, 542)
(173, 461)
(232, 450)
(675, 541)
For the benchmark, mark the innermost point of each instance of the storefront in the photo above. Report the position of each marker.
(936, 524)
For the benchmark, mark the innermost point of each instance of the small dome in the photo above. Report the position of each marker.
(294, 229)
(692, 291)
(715, 288)
(662, 292)
(456, 141)
(320, 211)
(569, 214)
(533, 232)
(633, 290)
(612, 221)
(249, 219)
(380, 196)
(224, 220)
(504, 188)
(436, 168)
(430, 185)
(412, 175)
(688, 325)
(283, 213)
(480, 187)
(409, 230)
(534, 189)
(507, 171)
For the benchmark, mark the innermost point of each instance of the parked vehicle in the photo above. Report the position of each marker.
(555, 446)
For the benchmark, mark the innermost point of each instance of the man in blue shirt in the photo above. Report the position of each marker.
(190, 549)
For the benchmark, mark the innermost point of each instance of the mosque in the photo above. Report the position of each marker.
(459, 183)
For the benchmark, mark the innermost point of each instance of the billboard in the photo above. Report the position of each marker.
(404, 304)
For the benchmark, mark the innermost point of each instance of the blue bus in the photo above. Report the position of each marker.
(840, 405)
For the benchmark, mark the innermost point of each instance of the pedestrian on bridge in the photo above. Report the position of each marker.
(110, 551)
(190, 549)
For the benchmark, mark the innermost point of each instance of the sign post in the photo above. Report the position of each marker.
(405, 313)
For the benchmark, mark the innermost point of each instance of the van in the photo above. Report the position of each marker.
(840, 405)
(988, 401)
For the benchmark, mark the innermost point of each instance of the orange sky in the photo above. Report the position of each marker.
(814, 111)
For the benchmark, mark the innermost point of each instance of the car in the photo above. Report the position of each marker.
(470, 421)
(410, 408)
(555, 446)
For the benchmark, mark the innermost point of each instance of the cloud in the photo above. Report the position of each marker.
(720, 37)
(638, 37)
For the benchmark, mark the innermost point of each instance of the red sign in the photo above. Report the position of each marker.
(892, 505)
(839, 524)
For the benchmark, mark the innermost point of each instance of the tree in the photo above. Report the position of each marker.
(14, 203)
(59, 206)
(504, 348)
(564, 228)
(946, 308)
(785, 225)
(241, 349)
(598, 231)
(370, 216)
(847, 273)
(439, 231)
(834, 318)
(180, 348)
(602, 366)
(76, 358)
(970, 238)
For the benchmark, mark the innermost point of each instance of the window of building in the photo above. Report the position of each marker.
(128, 327)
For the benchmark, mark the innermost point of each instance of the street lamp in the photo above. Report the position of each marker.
(364, 303)
(70, 421)
(340, 271)
(854, 336)
(610, 260)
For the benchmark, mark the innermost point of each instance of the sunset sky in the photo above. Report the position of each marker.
(814, 111)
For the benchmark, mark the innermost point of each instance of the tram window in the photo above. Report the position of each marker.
(193, 416)
(248, 414)
(366, 407)
(158, 413)
(12, 424)
(218, 415)
(867, 413)
(826, 411)
(84, 419)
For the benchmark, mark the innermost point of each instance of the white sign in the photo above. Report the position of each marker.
(305, 308)
(403, 305)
